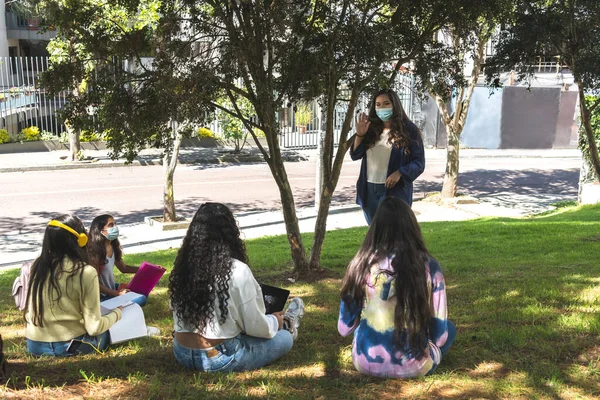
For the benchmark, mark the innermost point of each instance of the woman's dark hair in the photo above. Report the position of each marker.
(203, 266)
(58, 243)
(395, 233)
(97, 242)
(399, 134)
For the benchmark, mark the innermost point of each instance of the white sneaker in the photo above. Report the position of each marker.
(293, 315)
(152, 331)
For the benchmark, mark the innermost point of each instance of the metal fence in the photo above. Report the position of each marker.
(294, 135)
(22, 102)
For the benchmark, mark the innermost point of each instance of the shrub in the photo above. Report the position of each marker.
(303, 114)
(205, 133)
(89, 136)
(4, 136)
(31, 134)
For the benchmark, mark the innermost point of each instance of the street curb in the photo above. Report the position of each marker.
(136, 163)
(337, 210)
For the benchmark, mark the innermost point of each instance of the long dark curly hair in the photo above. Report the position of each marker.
(97, 242)
(399, 135)
(396, 232)
(202, 269)
(58, 244)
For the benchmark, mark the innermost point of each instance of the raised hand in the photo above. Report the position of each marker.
(362, 124)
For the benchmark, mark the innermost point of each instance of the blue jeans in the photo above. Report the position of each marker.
(450, 340)
(59, 349)
(376, 192)
(241, 353)
(444, 349)
(142, 300)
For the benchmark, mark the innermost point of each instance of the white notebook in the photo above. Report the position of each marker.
(131, 326)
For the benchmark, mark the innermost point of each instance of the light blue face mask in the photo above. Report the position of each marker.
(384, 113)
(112, 233)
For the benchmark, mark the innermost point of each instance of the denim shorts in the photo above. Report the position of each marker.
(241, 353)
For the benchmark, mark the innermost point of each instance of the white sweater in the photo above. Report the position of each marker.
(246, 310)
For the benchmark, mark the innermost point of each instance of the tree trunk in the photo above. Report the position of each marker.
(450, 186)
(74, 143)
(330, 172)
(169, 165)
(589, 131)
(288, 205)
(293, 229)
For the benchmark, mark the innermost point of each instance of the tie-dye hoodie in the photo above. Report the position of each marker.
(373, 349)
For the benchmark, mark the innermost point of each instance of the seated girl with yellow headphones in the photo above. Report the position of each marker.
(63, 301)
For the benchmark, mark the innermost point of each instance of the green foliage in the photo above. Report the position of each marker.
(595, 122)
(233, 127)
(303, 114)
(31, 133)
(4, 136)
(91, 136)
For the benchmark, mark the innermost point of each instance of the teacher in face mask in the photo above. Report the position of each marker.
(391, 148)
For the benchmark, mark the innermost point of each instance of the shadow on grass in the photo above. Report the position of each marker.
(523, 294)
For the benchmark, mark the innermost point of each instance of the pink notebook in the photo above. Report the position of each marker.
(146, 278)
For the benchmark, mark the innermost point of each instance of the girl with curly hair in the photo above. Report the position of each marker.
(218, 307)
(394, 299)
(105, 253)
(392, 153)
(63, 301)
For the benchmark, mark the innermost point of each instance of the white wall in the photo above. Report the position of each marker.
(3, 40)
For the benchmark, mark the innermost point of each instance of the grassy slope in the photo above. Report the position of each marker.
(523, 294)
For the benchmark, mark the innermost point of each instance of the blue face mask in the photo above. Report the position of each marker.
(112, 233)
(384, 113)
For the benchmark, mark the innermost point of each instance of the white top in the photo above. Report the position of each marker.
(246, 310)
(107, 275)
(378, 158)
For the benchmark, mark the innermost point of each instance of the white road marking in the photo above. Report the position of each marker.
(102, 189)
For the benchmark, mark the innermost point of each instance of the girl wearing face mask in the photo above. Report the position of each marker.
(105, 253)
(392, 153)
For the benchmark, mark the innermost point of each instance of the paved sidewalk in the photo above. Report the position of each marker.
(53, 160)
(139, 237)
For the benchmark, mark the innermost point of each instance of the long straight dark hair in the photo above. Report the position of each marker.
(58, 243)
(395, 233)
(97, 242)
(399, 134)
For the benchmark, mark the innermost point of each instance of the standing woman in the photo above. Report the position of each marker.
(105, 254)
(394, 299)
(391, 149)
(218, 307)
(63, 300)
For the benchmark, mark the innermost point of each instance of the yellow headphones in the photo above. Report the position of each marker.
(82, 238)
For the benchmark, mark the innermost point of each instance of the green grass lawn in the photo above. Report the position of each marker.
(524, 294)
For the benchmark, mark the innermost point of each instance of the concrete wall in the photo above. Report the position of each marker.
(512, 118)
(529, 117)
(3, 37)
(566, 127)
(482, 129)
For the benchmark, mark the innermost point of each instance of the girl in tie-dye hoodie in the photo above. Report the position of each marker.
(394, 299)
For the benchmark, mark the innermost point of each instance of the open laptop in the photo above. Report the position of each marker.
(275, 298)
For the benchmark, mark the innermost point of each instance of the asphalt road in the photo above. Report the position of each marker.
(29, 199)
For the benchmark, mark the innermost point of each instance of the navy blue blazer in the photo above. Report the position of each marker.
(410, 166)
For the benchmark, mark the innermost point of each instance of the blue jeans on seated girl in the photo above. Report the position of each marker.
(59, 349)
(446, 346)
(241, 353)
(141, 300)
